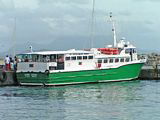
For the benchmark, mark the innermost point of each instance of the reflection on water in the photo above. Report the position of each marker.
(135, 100)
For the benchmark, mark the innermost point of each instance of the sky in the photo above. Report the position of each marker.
(64, 24)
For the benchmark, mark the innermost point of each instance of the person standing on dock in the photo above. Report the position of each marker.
(15, 63)
(7, 62)
(11, 64)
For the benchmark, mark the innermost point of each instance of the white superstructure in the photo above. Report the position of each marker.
(77, 60)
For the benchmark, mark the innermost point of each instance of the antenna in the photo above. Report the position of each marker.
(113, 30)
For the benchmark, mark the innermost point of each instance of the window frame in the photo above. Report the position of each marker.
(79, 57)
(121, 60)
(90, 57)
(98, 61)
(116, 59)
(73, 57)
(68, 59)
(85, 57)
(127, 59)
(111, 60)
(105, 60)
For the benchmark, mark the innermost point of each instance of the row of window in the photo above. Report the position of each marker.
(130, 51)
(79, 58)
(113, 60)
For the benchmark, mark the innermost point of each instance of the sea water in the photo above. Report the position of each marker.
(135, 100)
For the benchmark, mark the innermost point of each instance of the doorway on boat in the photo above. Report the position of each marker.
(60, 62)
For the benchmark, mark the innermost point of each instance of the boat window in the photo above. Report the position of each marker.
(34, 58)
(111, 60)
(60, 58)
(79, 57)
(134, 51)
(53, 58)
(84, 57)
(105, 60)
(52, 68)
(119, 50)
(31, 65)
(68, 58)
(26, 59)
(45, 58)
(99, 61)
(117, 60)
(128, 51)
(122, 60)
(127, 59)
(23, 58)
(73, 58)
(90, 57)
(41, 58)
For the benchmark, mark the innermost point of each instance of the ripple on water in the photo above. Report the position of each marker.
(135, 100)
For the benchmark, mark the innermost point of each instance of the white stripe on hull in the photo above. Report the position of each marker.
(72, 83)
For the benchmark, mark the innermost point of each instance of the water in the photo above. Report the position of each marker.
(136, 100)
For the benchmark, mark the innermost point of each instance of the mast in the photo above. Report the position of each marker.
(92, 24)
(113, 30)
(14, 37)
(13, 43)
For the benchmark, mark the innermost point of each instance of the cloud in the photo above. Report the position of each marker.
(44, 21)
(26, 4)
(147, 0)
(125, 13)
(147, 22)
(6, 5)
(78, 2)
(4, 29)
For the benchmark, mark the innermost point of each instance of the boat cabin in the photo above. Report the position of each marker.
(54, 60)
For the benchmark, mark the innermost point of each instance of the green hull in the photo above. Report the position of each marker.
(127, 72)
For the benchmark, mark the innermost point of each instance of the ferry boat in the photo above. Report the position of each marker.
(111, 63)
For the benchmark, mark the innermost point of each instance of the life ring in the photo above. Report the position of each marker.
(3, 77)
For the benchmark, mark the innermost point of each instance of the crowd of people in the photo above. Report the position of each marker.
(10, 63)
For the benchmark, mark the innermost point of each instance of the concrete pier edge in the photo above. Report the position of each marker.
(8, 78)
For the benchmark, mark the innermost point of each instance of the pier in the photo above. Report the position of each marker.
(149, 72)
(151, 69)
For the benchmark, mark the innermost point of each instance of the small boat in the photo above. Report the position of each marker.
(112, 63)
